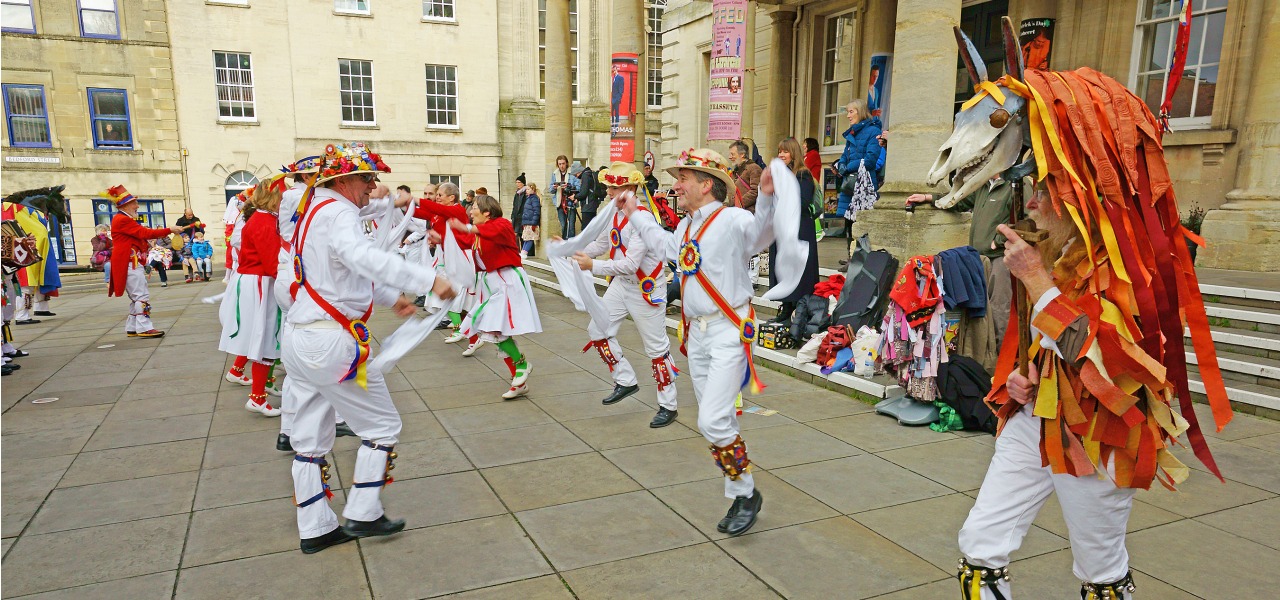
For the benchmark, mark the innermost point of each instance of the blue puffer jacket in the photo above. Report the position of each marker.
(860, 144)
(531, 214)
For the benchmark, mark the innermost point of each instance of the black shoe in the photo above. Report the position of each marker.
(663, 418)
(282, 443)
(420, 301)
(45, 313)
(620, 392)
(13, 366)
(742, 514)
(18, 354)
(381, 526)
(6, 370)
(333, 538)
(343, 430)
(444, 325)
(27, 322)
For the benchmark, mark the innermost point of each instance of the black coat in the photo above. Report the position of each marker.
(807, 233)
(517, 210)
(588, 191)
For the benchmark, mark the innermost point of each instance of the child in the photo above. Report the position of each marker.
(188, 259)
(159, 258)
(505, 307)
(202, 254)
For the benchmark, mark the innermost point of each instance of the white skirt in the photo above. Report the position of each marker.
(504, 306)
(250, 318)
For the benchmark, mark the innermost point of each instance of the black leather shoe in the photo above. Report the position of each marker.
(27, 322)
(282, 443)
(743, 514)
(45, 313)
(620, 392)
(663, 418)
(333, 538)
(13, 366)
(6, 370)
(381, 526)
(343, 430)
(18, 354)
(420, 301)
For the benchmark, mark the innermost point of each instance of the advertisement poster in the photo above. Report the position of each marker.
(729, 33)
(622, 100)
(878, 86)
(1036, 39)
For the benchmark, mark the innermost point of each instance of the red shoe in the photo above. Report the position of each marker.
(150, 333)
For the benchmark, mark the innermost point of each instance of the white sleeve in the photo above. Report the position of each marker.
(664, 246)
(389, 272)
(1046, 342)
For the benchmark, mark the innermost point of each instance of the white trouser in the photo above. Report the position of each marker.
(31, 300)
(624, 298)
(288, 396)
(135, 286)
(1016, 486)
(717, 364)
(10, 298)
(316, 356)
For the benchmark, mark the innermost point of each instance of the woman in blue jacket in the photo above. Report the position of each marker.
(530, 219)
(860, 144)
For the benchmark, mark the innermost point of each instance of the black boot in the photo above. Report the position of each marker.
(663, 418)
(742, 514)
(282, 443)
(333, 538)
(620, 392)
(381, 526)
(343, 430)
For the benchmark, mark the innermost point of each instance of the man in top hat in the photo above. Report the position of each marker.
(636, 290)
(128, 255)
(711, 247)
(339, 275)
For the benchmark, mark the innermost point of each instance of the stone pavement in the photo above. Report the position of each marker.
(148, 479)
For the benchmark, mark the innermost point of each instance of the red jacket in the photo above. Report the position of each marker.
(496, 244)
(813, 162)
(438, 215)
(129, 238)
(259, 245)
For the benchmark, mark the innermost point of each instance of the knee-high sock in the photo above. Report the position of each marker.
(238, 365)
(259, 387)
(455, 319)
(509, 347)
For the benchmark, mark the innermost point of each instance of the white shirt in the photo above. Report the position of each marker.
(345, 268)
(636, 257)
(726, 246)
(289, 202)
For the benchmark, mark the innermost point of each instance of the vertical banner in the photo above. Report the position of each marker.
(728, 30)
(878, 86)
(1036, 38)
(622, 100)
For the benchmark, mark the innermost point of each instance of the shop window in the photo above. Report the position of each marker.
(109, 118)
(838, 68)
(1157, 32)
(542, 48)
(27, 116)
(67, 238)
(150, 212)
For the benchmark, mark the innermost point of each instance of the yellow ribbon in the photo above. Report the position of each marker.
(981, 90)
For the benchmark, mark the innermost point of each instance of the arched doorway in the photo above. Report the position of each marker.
(237, 182)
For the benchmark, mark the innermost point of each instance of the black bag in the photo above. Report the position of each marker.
(963, 384)
(866, 287)
(775, 337)
(809, 318)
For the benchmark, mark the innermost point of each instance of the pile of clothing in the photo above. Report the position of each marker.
(911, 341)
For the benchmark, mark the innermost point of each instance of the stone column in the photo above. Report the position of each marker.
(781, 67)
(920, 103)
(1244, 233)
(558, 122)
(748, 123)
(629, 36)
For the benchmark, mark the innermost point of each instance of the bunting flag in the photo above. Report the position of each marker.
(1176, 66)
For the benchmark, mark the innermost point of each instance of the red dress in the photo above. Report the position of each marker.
(260, 245)
(496, 245)
(130, 239)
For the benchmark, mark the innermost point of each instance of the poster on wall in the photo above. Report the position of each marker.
(729, 32)
(878, 86)
(1036, 38)
(622, 99)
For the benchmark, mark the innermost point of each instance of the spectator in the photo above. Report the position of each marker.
(101, 244)
(469, 200)
(564, 185)
(746, 176)
(789, 152)
(861, 147)
(589, 195)
(650, 182)
(190, 218)
(159, 258)
(556, 187)
(517, 205)
(812, 160)
(531, 217)
(202, 252)
(188, 258)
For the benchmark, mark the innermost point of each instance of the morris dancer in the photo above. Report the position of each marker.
(438, 211)
(712, 247)
(635, 289)
(128, 255)
(1107, 296)
(339, 274)
(249, 313)
(505, 306)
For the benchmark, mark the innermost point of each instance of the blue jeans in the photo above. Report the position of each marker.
(568, 222)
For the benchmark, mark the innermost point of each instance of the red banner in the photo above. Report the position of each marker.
(622, 129)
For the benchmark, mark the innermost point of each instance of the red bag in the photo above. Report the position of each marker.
(838, 338)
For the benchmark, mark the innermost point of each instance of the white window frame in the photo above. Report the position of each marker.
(454, 179)
(827, 86)
(1142, 28)
(452, 112)
(453, 7)
(653, 39)
(217, 86)
(574, 13)
(352, 11)
(372, 99)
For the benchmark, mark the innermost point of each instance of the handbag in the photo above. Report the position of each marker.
(863, 195)
(19, 248)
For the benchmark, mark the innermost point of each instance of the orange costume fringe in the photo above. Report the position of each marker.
(1097, 147)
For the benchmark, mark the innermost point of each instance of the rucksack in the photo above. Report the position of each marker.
(838, 338)
(963, 384)
(866, 288)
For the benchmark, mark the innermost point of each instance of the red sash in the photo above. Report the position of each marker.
(690, 263)
(649, 281)
(357, 328)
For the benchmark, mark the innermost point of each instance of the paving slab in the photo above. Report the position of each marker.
(337, 571)
(703, 504)
(115, 502)
(548, 587)
(156, 586)
(701, 572)
(519, 445)
(858, 483)
(529, 485)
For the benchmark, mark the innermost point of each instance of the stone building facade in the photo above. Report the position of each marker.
(813, 56)
(89, 103)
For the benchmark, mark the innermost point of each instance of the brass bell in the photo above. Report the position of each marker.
(391, 467)
(392, 455)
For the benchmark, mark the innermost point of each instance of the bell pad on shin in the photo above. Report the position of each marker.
(387, 479)
(1117, 590)
(973, 578)
(732, 459)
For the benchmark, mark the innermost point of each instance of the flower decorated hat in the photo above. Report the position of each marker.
(620, 174)
(705, 160)
(351, 158)
(118, 195)
(306, 164)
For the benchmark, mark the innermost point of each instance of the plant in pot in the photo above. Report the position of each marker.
(1192, 223)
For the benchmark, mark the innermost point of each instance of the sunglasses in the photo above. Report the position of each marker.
(368, 177)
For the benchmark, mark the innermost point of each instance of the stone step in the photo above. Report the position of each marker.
(1243, 393)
